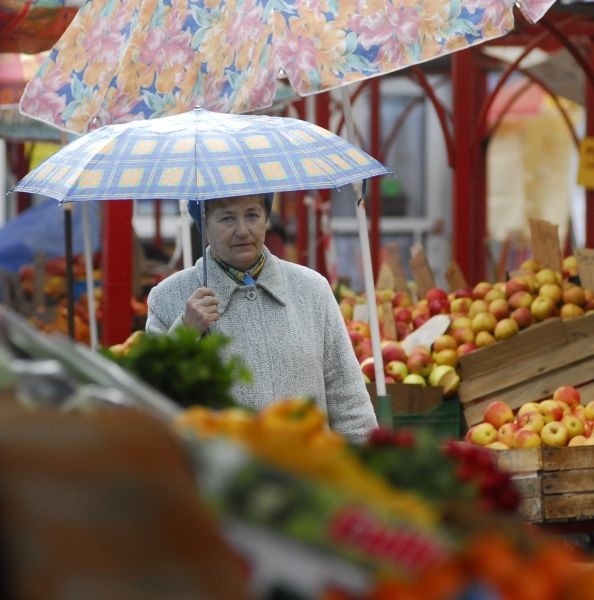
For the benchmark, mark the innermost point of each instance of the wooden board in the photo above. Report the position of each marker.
(529, 366)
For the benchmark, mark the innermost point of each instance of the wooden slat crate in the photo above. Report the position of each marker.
(556, 484)
(529, 366)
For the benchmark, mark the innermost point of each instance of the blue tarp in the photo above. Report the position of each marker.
(41, 229)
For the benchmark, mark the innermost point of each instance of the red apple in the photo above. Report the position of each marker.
(401, 298)
(465, 348)
(526, 438)
(499, 308)
(522, 316)
(497, 413)
(506, 432)
(402, 330)
(463, 335)
(419, 363)
(550, 409)
(361, 327)
(368, 368)
(439, 307)
(403, 313)
(533, 420)
(568, 394)
(363, 350)
(436, 293)
(516, 284)
(521, 298)
(396, 369)
(392, 350)
(480, 289)
(420, 319)
(463, 293)
(460, 306)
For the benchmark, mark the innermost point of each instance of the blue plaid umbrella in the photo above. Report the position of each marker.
(200, 155)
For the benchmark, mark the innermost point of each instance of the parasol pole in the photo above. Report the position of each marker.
(89, 275)
(69, 268)
(384, 406)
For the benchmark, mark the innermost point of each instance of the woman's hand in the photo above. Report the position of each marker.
(202, 309)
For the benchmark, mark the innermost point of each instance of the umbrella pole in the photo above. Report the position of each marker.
(384, 405)
(69, 270)
(203, 239)
(89, 276)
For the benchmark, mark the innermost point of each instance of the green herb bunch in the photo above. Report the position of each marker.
(184, 367)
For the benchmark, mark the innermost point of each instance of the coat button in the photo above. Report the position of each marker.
(251, 295)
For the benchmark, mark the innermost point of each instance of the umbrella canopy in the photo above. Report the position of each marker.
(122, 59)
(200, 155)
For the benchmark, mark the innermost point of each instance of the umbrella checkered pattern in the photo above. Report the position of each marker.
(200, 155)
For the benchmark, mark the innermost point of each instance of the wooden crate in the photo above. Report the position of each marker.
(556, 484)
(529, 366)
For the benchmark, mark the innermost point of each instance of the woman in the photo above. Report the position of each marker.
(282, 318)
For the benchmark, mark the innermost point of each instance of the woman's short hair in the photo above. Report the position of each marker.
(194, 208)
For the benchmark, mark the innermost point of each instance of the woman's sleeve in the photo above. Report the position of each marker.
(349, 407)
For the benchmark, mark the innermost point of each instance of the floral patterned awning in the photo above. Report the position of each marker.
(135, 59)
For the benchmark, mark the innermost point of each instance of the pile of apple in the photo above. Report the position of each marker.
(561, 420)
(479, 316)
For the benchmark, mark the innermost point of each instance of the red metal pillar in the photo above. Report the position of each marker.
(117, 271)
(469, 214)
(589, 93)
(374, 184)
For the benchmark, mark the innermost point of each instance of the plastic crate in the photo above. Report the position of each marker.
(415, 407)
(445, 421)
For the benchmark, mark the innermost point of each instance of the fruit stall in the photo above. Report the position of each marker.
(253, 494)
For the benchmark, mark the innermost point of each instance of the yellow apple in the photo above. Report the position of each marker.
(555, 434)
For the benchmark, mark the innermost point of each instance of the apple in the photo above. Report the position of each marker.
(483, 321)
(573, 424)
(346, 308)
(401, 298)
(444, 341)
(463, 293)
(447, 356)
(579, 411)
(589, 410)
(477, 306)
(520, 298)
(465, 348)
(460, 306)
(552, 291)
(506, 432)
(392, 350)
(571, 311)
(367, 367)
(516, 284)
(526, 438)
(396, 369)
(403, 329)
(568, 394)
(460, 322)
(554, 434)
(497, 445)
(578, 440)
(505, 329)
(499, 308)
(569, 266)
(494, 294)
(402, 313)
(483, 434)
(530, 264)
(419, 363)
(437, 372)
(439, 307)
(364, 350)
(484, 338)
(480, 289)
(384, 295)
(446, 377)
(534, 421)
(498, 413)
(543, 307)
(463, 335)
(574, 294)
(414, 379)
(436, 293)
(528, 407)
(564, 407)
(522, 316)
(419, 319)
(547, 275)
(588, 427)
(550, 410)
(361, 327)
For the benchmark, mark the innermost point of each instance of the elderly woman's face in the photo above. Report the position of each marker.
(236, 229)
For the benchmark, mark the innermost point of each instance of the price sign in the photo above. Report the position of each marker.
(421, 271)
(585, 257)
(545, 243)
(585, 175)
(455, 277)
(393, 261)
